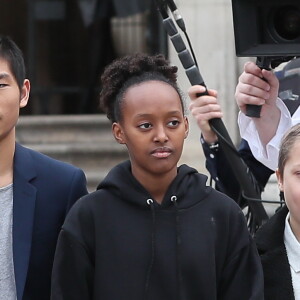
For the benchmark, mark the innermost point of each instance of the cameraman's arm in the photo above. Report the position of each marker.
(263, 134)
(203, 109)
(260, 87)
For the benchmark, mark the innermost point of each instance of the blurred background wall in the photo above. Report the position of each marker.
(67, 43)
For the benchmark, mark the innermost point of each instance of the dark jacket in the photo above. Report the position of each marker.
(270, 244)
(44, 189)
(221, 171)
(117, 244)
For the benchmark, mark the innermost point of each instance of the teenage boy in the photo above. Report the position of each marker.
(36, 192)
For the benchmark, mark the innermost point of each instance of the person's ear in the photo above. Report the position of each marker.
(279, 180)
(118, 133)
(24, 96)
(186, 125)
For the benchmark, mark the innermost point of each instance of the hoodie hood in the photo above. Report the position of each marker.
(180, 195)
(186, 184)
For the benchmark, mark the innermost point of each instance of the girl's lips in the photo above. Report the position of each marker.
(161, 152)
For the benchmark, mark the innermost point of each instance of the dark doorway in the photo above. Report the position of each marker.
(67, 44)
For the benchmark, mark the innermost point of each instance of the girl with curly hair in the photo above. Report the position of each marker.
(153, 229)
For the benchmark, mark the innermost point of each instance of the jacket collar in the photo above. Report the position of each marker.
(24, 196)
(270, 244)
(266, 237)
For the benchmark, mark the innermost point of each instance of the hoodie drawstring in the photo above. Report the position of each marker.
(150, 202)
(178, 247)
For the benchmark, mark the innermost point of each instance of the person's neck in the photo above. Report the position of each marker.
(7, 151)
(157, 185)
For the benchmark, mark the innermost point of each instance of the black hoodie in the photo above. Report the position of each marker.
(117, 243)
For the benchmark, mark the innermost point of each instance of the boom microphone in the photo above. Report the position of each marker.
(178, 18)
(256, 215)
(163, 8)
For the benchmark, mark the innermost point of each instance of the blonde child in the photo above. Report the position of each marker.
(278, 241)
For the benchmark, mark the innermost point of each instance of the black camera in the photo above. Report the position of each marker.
(266, 27)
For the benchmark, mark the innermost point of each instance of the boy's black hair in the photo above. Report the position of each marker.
(131, 70)
(12, 54)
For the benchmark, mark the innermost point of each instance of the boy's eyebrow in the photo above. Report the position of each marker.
(4, 75)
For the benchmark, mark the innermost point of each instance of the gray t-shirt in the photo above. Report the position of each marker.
(7, 275)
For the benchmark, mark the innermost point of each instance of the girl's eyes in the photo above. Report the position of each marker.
(2, 85)
(145, 126)
(173, 123)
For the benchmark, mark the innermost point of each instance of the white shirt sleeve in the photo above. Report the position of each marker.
(269, 155)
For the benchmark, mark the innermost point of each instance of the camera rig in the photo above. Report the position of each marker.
(268, 30)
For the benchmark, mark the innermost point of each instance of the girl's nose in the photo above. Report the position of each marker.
(161, 135)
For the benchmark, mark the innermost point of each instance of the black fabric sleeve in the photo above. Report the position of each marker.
(242, 274)
(245, 275)
(72, 275)
(260, 171)
(73, 267)
(222, 174)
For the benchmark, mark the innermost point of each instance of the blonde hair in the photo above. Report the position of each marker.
(286, 145)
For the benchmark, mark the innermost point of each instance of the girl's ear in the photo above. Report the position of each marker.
(25, 93)
(118, 133)
(279, 180)
(186, 124)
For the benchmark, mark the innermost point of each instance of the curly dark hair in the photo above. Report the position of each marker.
(131, 70)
